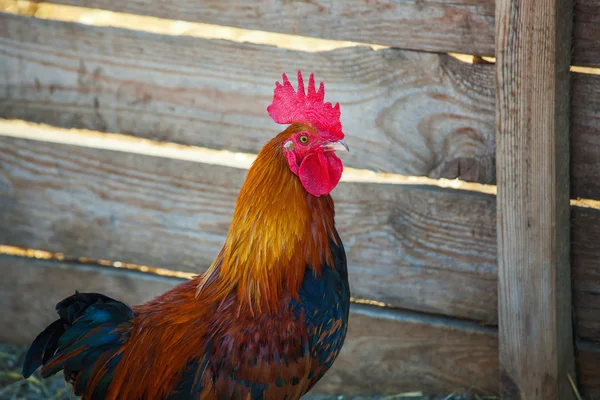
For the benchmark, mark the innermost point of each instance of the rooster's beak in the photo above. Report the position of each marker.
(336, 146)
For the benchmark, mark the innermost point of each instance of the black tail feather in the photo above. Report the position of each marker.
(43, 347)
(87, 321)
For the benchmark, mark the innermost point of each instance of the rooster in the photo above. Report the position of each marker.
(265, 321)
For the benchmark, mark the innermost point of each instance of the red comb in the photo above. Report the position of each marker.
(290, 106)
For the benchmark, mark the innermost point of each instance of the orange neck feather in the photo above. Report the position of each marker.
(278, 229)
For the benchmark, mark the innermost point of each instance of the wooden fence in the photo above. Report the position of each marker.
(422, 257)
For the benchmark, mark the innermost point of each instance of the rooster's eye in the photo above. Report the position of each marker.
(303, 139)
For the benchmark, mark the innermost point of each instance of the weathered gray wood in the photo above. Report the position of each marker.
(464, 26)
(412, 247)
(533, 50)
(411, 113)
(424, 249)
(385, 352)
(420, 349)
(30, 289)
(403, 112)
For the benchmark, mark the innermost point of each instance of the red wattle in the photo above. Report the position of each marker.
(320, 173)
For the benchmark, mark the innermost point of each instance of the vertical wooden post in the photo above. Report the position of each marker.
(533, 43)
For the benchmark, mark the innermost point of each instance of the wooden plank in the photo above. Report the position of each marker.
(586, 33)
(408, 246)
(585, 135)
(533, 49)
(412, 247)
(31, 288)
(410, 113)
(417, 351)
(385, 352)
(588, 359)
(585, 231)
(463, 26)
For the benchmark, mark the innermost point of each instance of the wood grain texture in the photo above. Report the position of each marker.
(30, 289)
(588, 359)
(413, 247)
(408, 246)
(586, 33)
(533, 49)
(464, 26)
(386, 351)
(410, 113)
(403, 112)
(382, 353)
(585, 135)
(585, 248)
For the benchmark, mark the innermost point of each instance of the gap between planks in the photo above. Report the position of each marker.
(366, 307)
(130, 144)
(382, 350)
(380, 355)
(104, 18)
(164, 26)
(470, 59)
(91, 85)
(37, 254)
